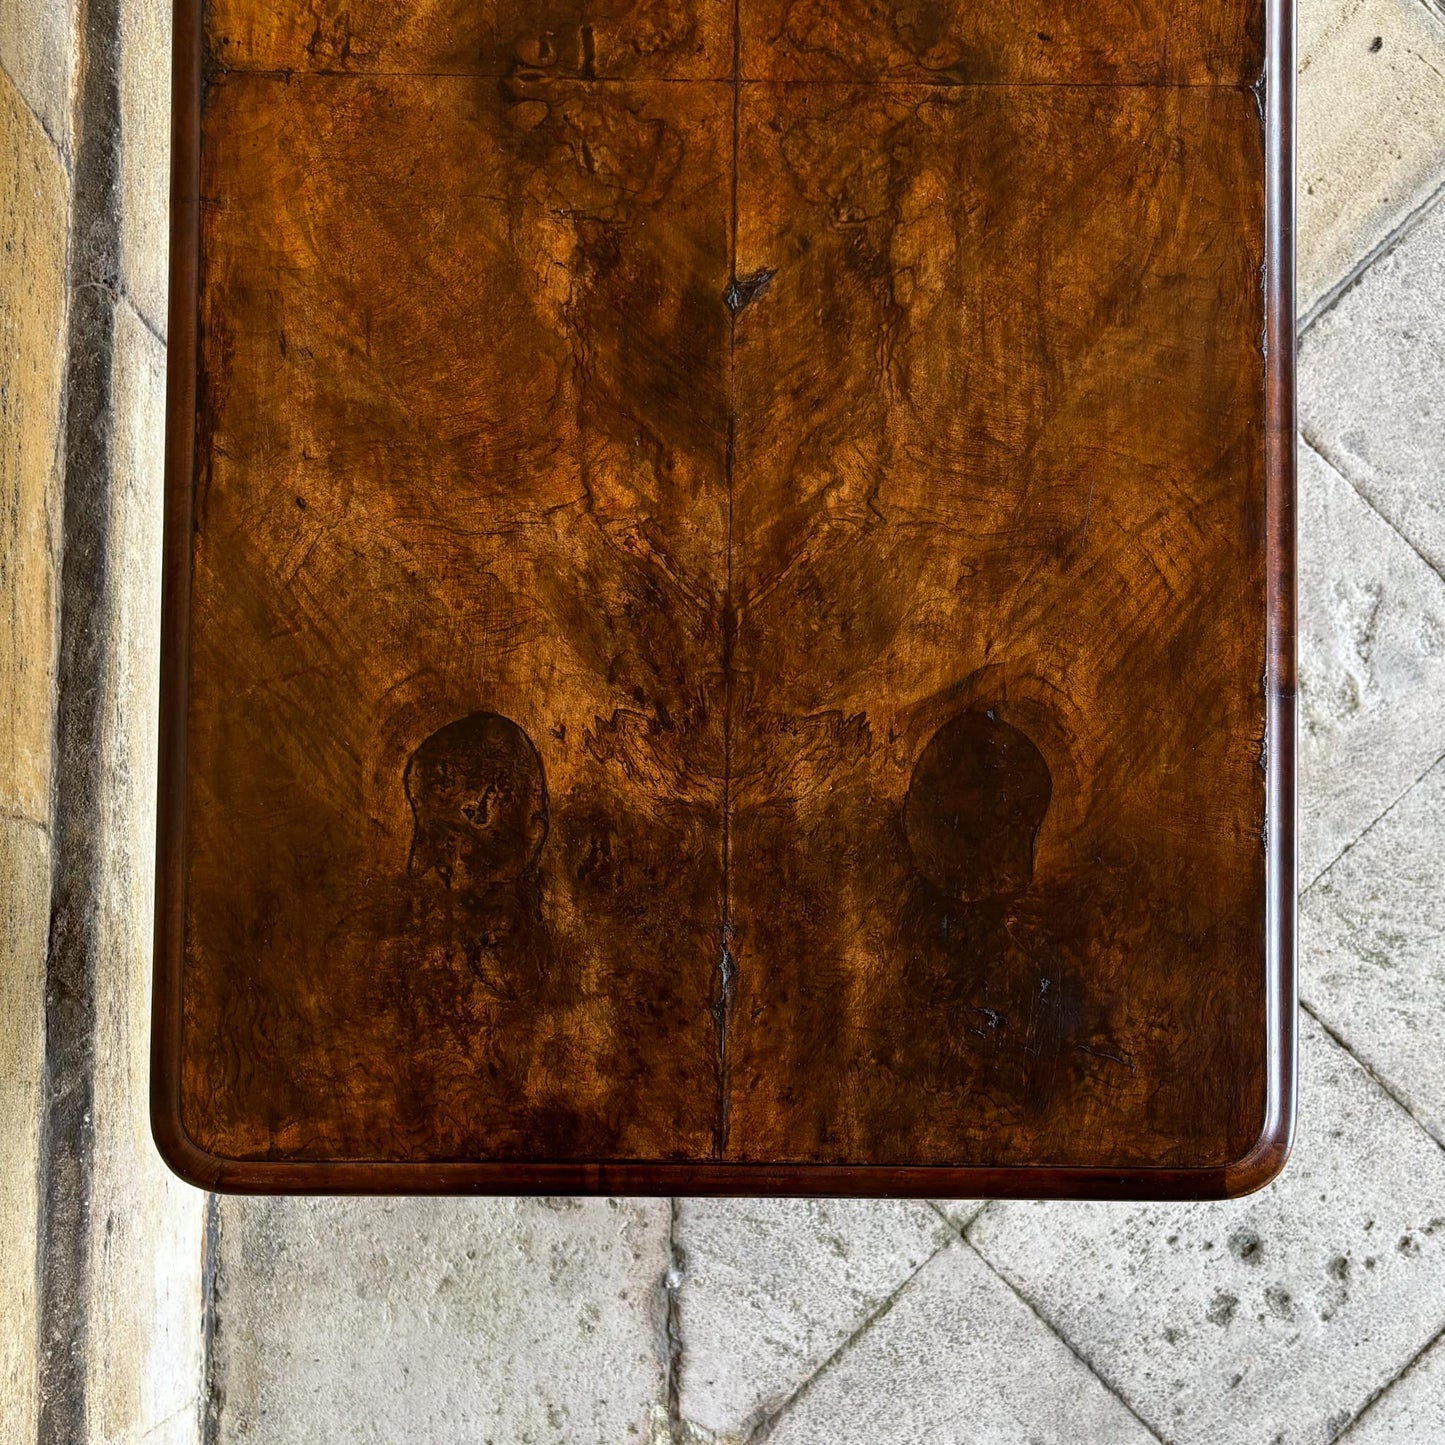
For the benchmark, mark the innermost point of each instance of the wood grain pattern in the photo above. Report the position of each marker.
(724, 619)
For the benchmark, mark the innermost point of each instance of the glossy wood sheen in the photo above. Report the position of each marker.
(729, 599)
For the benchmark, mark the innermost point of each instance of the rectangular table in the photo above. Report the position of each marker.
(729, 598)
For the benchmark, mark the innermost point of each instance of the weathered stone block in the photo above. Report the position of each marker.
(24, 920)
(510, 1320)
(771, 1288)
(1410, 1412)
(1371, 129)
(1372, 665)
(34, 196)
(958, 1357)
(1272, 1318)
(1370, 396)
(1373, 937)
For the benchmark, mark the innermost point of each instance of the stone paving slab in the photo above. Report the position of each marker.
(489, 1322)
(1371, 130)
(1370, 395)
(958, 1358)
(143, 1351)
(1373, 937)
(1372, 665)
(145, 155)
(1266, 1321)
(772, 1288)
(1412, 1411)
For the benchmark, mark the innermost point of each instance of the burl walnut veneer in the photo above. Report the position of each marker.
(729, 597)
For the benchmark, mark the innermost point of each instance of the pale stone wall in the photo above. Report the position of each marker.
(100, 1247)
(142, 1296)
(34, 230)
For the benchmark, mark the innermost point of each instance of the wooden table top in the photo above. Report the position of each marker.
(729, 598)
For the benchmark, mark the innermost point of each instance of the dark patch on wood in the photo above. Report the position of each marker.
(974, 807)
(744, 290)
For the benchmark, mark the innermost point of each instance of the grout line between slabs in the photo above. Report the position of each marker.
(211, 1397)
(1063, 1339)
(62, 155)
(1069, 1345)
(956, 1225)
(167, 1421)
(1322, 452)
(672, 1324)
(1382, 1084)
(763, 1428)
(1379, 1394)
(1357, 273)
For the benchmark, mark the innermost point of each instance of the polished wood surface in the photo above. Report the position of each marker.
(729, 607)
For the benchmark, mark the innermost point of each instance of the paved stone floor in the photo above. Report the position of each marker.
(1313, 1311)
